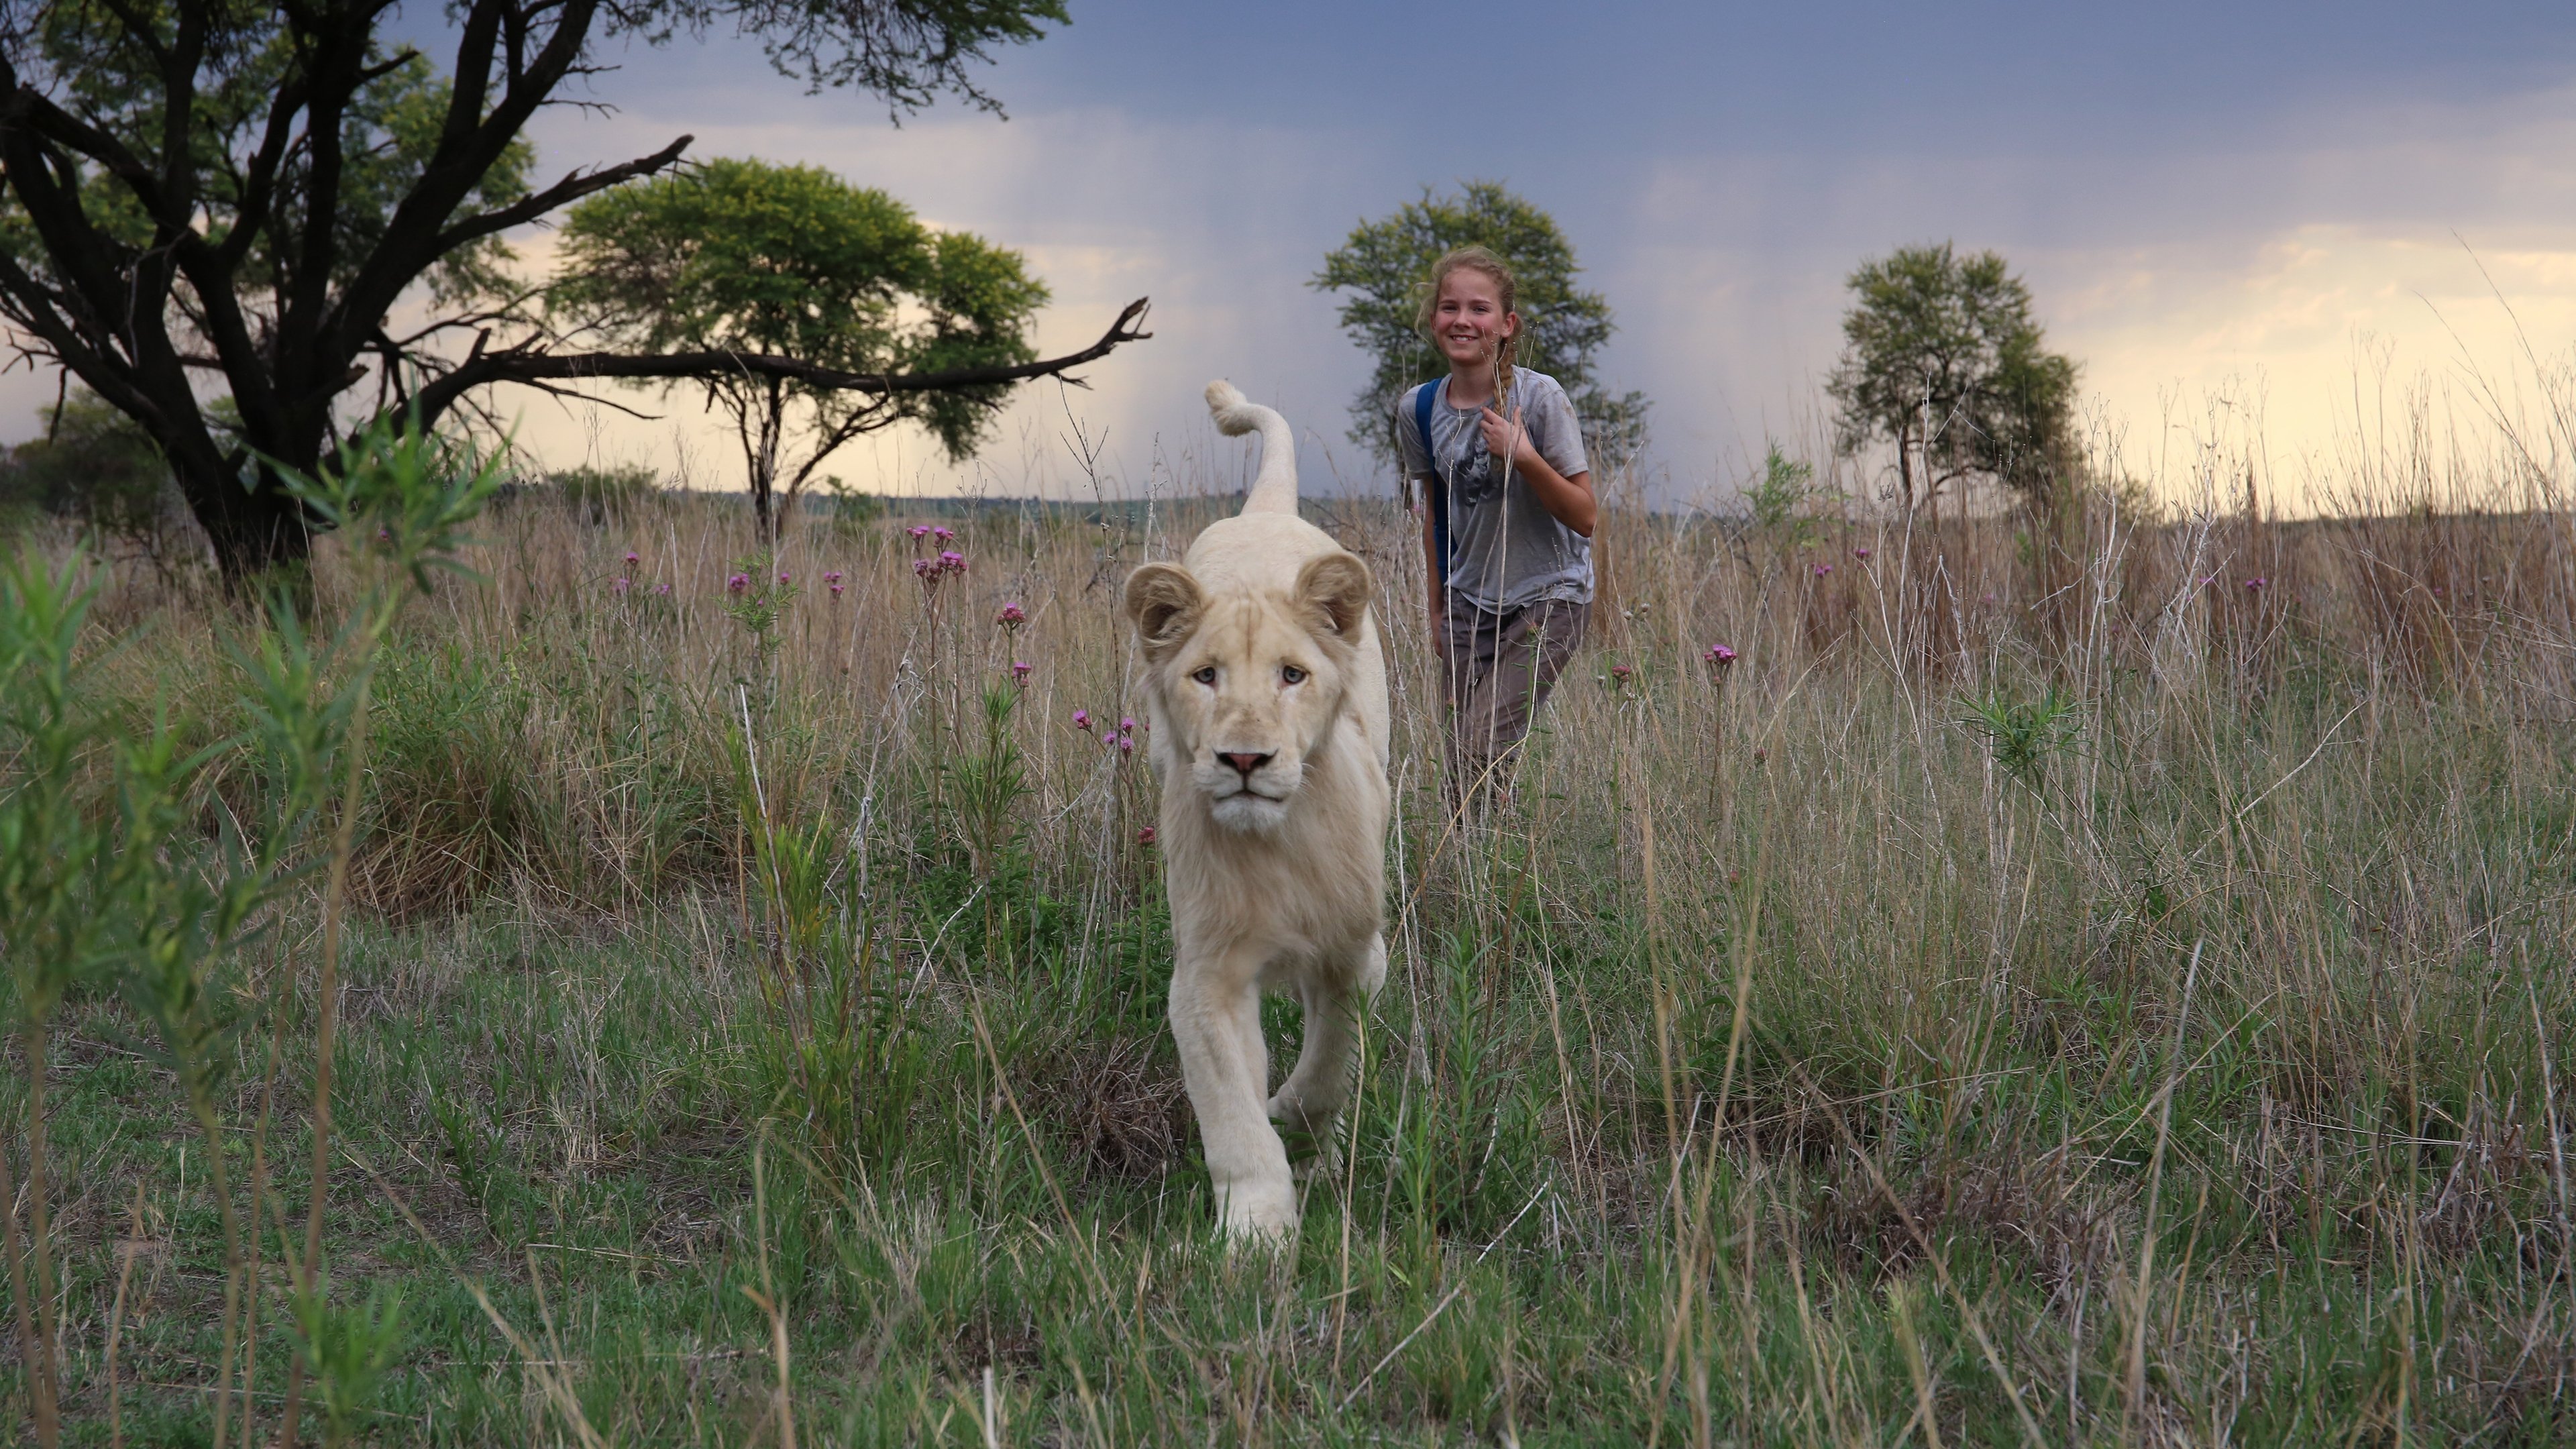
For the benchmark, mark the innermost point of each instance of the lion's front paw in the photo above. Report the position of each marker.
(1256, 1211)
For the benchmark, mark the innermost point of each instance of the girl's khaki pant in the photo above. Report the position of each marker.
(1498, 669)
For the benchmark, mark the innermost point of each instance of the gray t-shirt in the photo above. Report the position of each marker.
(1506, 551)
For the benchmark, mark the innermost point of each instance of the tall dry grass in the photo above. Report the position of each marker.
(2080, 977)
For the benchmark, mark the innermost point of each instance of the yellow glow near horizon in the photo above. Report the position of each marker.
(2327, 336)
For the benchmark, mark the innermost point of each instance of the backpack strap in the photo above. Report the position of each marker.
(1436, 495)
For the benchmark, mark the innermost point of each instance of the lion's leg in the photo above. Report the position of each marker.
(1320, 1086)
(1216, 1023)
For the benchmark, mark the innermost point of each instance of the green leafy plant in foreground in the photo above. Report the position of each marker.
(106, 881)
(2023, 733)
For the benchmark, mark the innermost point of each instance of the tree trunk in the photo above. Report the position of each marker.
(253, 529)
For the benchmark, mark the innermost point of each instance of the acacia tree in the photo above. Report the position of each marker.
(749, 257)
(228, 198)
(1943, 358)
(1385, 265)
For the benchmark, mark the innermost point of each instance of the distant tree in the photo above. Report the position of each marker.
(1386, 264)
(213, 197)
(1943, 359)
(743, 256)
(92, 464)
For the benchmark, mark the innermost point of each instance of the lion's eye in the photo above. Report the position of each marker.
(1291, 674)
(1206, 676)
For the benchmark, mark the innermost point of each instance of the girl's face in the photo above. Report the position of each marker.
(1469, 321)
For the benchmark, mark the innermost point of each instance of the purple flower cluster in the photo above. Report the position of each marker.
(1120, 736)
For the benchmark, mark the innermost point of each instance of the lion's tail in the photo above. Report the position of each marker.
(1274, 489)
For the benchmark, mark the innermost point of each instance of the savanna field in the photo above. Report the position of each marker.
(2096, 976)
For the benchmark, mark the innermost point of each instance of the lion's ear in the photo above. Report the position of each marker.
(1165, 602)
(1335, 589)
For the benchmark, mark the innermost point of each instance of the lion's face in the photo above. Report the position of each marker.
(1250, 684)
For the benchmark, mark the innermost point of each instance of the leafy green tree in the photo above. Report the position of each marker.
(746, 256)
(1943, 359)
(1386, 264)
(223, 197)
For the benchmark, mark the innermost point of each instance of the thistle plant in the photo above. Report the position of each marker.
(757, 596)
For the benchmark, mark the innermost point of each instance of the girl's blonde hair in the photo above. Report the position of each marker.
(1474, 259)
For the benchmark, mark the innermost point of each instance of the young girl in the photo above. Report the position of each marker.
(1507, 519)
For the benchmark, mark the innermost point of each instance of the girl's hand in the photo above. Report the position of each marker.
(1505, 439)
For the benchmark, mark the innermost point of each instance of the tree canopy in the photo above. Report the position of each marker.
(746, 256)
(1943, 359)
(227, 199)
(1386, 264)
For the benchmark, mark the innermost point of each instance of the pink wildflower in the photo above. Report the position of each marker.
(918, 531)
(1011, 617)
(951, 561)
(1861, 553)
(2256, 583)
(922, 567)
(631, 559)
(1145, 836)
(1620, 672)
(943, 534)
(1082, 719)
(1126, 724)
(1719, 655)
(737, 583)
(1126, 744)
(620, 586)
(662, 590)
(782, 576)
(1823, 569)
(1019, 671)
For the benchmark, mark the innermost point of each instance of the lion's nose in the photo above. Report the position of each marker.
(1244, 765)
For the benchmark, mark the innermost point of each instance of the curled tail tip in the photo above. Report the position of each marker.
(1235, 414)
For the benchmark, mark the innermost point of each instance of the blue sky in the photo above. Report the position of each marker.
(2260, 204)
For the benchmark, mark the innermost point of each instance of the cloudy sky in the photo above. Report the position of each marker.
(2284, 207)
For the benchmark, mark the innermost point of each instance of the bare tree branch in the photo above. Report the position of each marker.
(528, 366)
(572, 188)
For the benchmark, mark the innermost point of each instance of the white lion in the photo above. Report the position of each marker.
(1268, 696)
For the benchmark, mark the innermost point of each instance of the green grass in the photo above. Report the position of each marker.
(2173, 1075)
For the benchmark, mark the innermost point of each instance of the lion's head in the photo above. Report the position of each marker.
(1250, 683)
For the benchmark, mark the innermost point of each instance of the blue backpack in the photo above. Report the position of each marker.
(1437, 494)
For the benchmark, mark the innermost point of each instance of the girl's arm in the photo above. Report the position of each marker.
(1568, 500)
